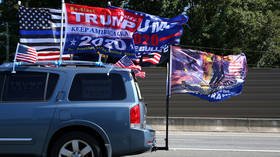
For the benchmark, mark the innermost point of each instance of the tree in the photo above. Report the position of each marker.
(7, 18)
(226, 26)
(251, 26)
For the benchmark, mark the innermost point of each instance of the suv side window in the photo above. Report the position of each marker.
(28, 86)
(2, 77)
(52, 81)
(89, 87)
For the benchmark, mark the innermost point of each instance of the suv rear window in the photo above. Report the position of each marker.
(27, 86)
(89, 87)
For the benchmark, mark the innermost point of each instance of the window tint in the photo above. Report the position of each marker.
(2, 75)
(28, 86)
(53, 78)
(24, 86)
(88, 87)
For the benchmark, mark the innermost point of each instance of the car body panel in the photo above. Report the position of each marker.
(27, 123)
(34, 124)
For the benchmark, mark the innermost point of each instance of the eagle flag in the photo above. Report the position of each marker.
(206, 75)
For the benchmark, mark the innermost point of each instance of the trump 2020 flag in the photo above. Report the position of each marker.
(155, 33)
(26, 54)
(105, 30)
(206, 75)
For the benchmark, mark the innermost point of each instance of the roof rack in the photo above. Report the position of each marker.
(59, 63)
(68, 63)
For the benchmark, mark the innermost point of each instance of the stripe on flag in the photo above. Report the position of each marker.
(40, 29)
(26, 54)
(126, 62)
(154, 58)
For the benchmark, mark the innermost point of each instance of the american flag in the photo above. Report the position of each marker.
(126, 62)
(152, 58)
(236, 66)
(140, 74)
(40, 28)
(26, 54)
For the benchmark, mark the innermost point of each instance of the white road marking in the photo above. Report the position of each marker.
(226, 150)
(222, 134)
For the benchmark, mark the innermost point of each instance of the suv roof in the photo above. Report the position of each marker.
(66, 66)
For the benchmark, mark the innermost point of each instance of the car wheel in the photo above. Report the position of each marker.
(76, 144)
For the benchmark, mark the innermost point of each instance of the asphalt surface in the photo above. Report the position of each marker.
(216, 144)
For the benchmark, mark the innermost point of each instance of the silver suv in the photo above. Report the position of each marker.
(77, 109)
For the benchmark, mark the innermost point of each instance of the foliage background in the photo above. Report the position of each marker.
(221, 26)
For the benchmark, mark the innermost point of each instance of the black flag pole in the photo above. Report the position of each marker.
(168, 95)
(167, 100)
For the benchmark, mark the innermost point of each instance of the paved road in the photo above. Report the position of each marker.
(202, 144)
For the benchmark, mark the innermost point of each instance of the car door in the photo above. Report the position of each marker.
(26, 110)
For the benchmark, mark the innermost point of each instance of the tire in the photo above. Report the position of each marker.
(76, 144)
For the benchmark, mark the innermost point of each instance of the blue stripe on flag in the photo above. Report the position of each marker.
(39, 32)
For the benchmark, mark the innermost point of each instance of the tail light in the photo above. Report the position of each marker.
(135, 116)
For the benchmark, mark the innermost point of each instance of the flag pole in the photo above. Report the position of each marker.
(61, 30)
(168, 95)
(109, 3)
(167, 108)
(167, 100)
(99, 57)
(15, 60)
